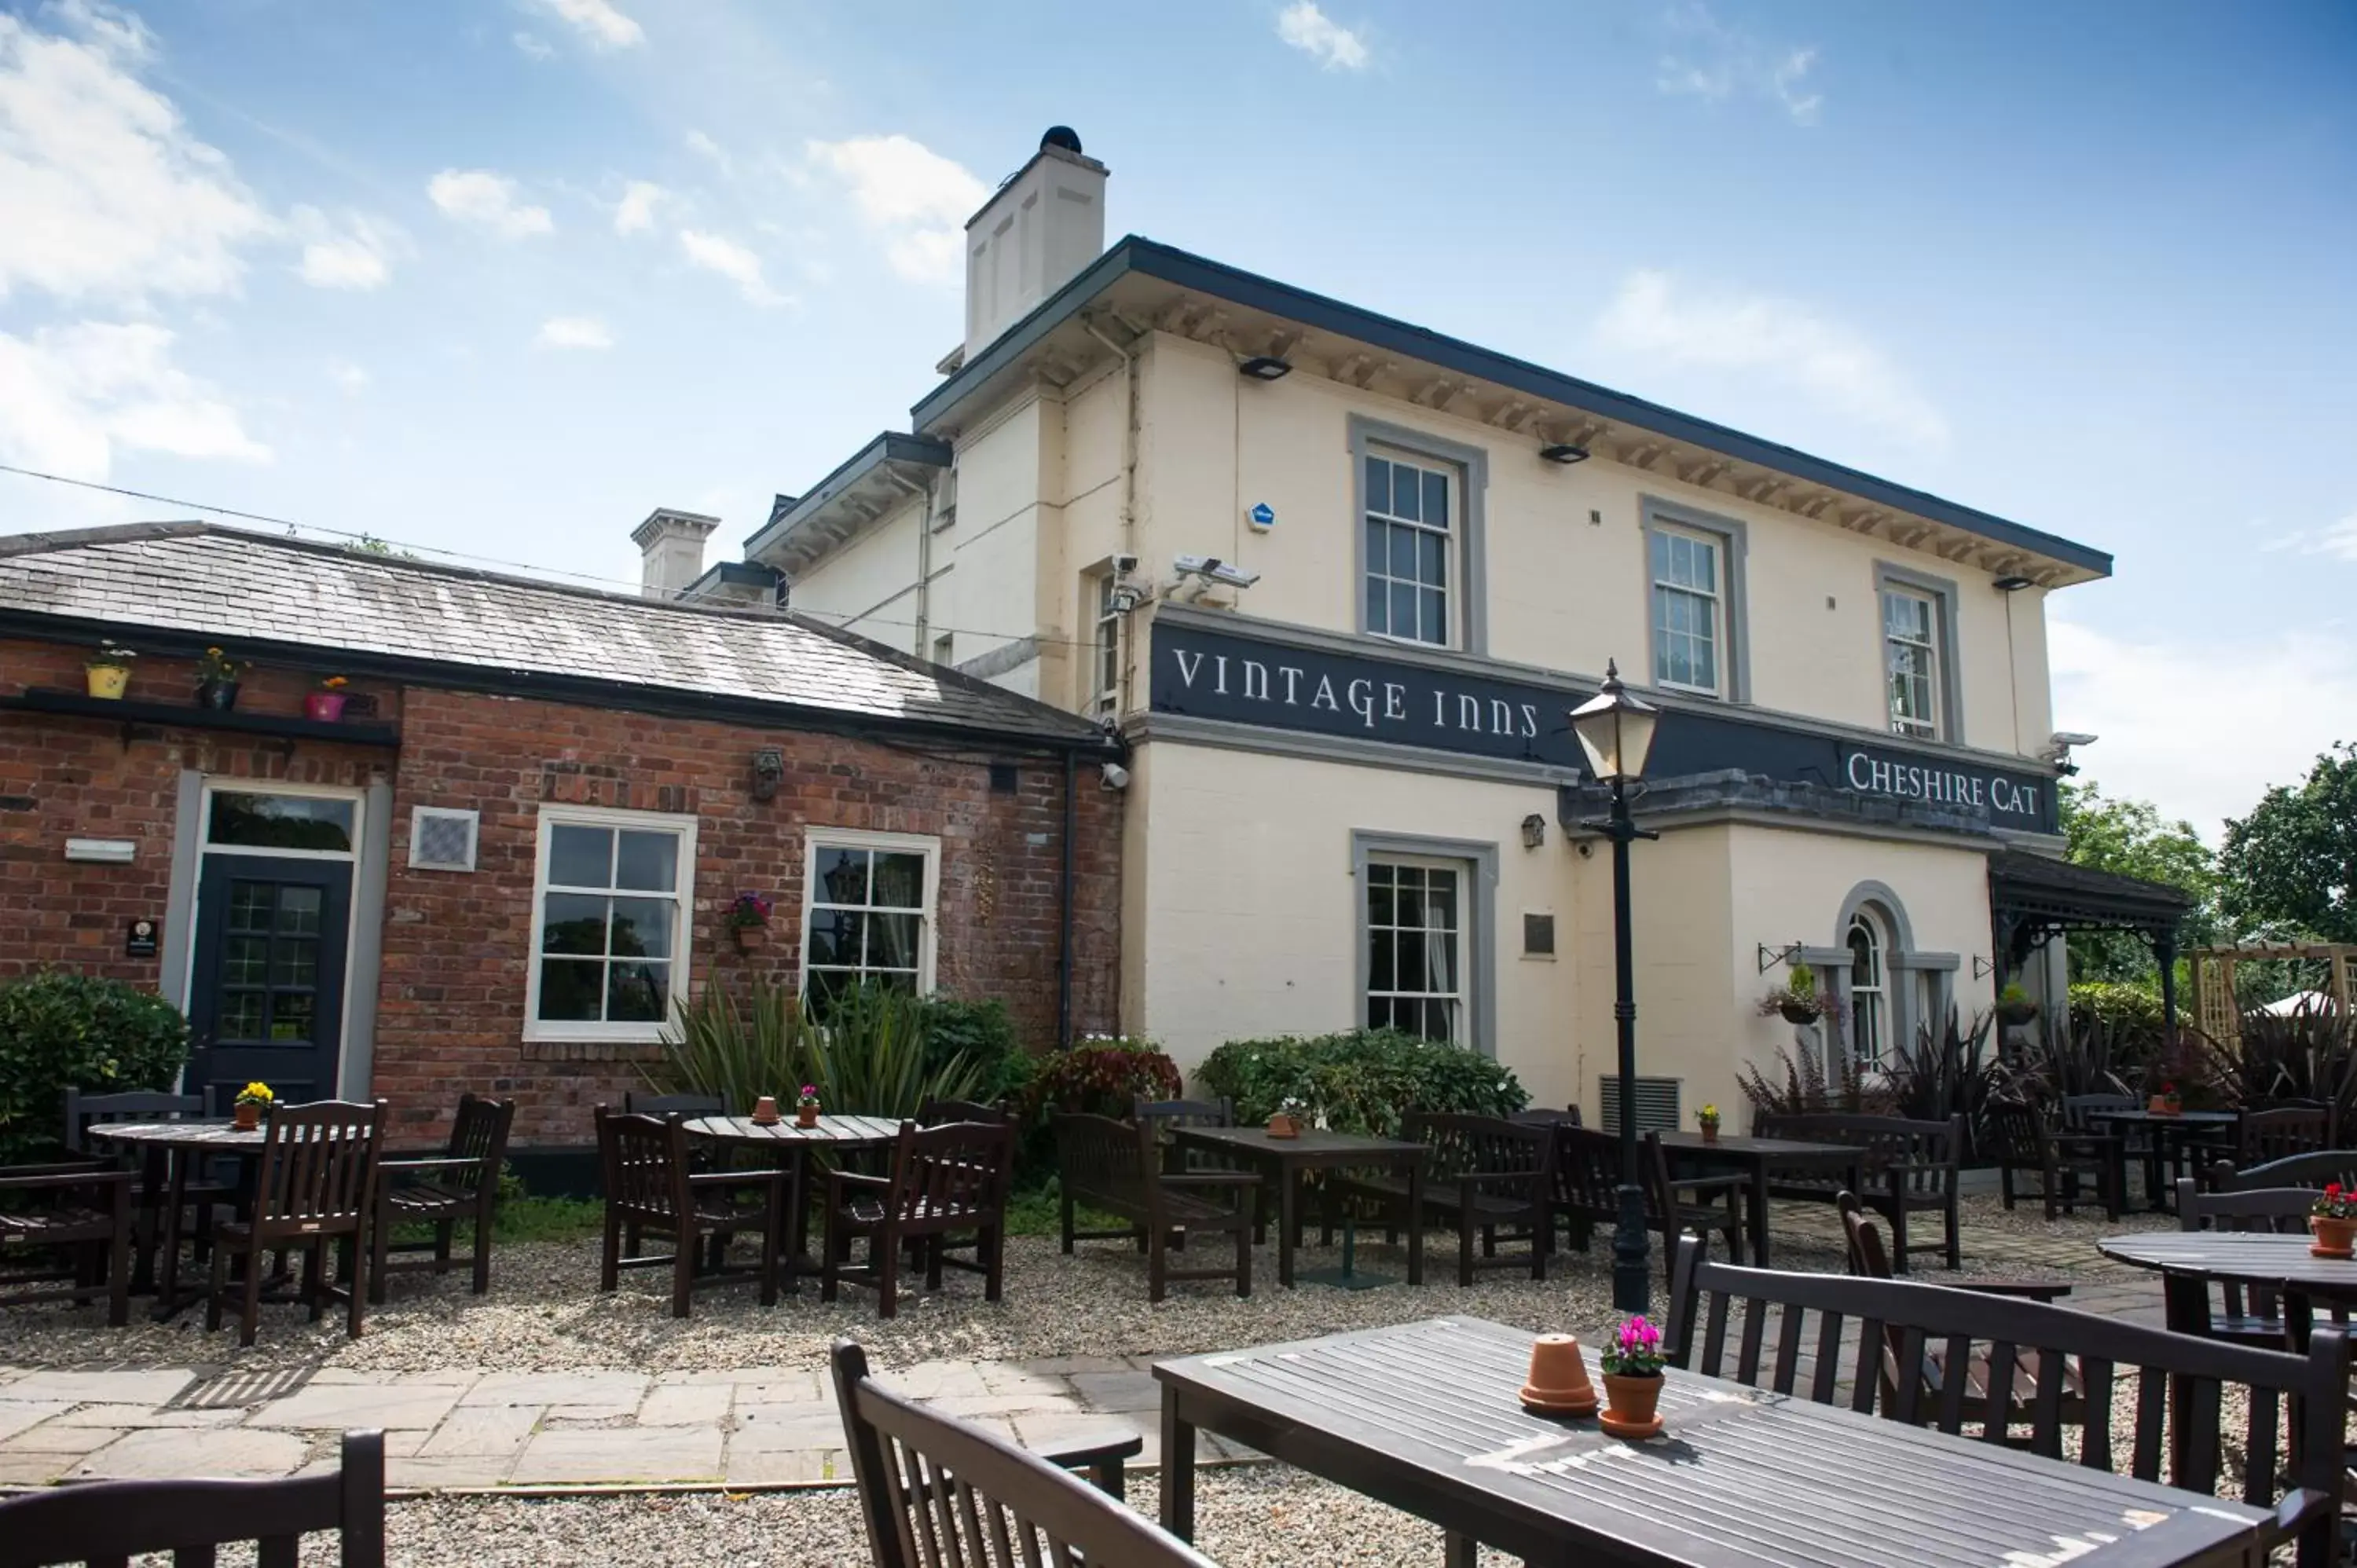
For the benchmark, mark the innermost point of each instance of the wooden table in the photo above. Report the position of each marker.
(1423, 1416)
(2190, 1260)
(182, 1142)
(785, 1140)
(1755, 1157)
(2182, 1123)
(1284, 1159)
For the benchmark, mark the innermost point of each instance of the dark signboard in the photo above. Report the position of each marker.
(1219, 674)
(139, 939)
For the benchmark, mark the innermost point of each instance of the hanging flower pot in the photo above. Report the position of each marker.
(109, 672)
(326, 705)
(2014, 1007)
(220, 696)
(217, 675)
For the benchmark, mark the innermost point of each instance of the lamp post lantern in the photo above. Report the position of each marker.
(1615, 731)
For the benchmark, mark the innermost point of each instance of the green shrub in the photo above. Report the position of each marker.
(870, 1056)
(61, 1031)
(1361, 1081)
(1102, 1077)
(737, 1049)
(2129, 1015)
(983, 1033)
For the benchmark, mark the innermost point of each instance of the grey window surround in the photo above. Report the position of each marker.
(1471, 590)
(1658, 512)
(1942, 593)
(180, 896)
(1900, 961)
(1480, 926)
(371, 870)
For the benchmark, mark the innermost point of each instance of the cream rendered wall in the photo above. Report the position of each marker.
(1093, 416)
(987, 594)
(869, 585)
(1242, 912)
(1680, 933)
(2033, 697)
(1564, 591)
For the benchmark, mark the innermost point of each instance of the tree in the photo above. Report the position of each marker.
(2129, 837)
(2293, 861)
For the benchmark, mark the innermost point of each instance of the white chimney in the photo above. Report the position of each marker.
(670, 550)
(1033, 237)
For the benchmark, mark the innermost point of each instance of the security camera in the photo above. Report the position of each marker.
(1116, 776)
(1122, 565)
(1211, 569)
(2068, 739)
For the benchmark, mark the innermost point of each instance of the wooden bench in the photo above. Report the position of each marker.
(1489, 1173)
(1906, 1167)
(1117, 1168)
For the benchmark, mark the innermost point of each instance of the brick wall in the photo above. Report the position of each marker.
(450, 1004)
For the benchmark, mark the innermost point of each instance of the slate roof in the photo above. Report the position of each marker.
(188, 583)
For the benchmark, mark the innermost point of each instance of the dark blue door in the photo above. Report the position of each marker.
(267, 1001)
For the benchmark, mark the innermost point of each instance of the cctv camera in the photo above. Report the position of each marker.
(1211, 569)
(2068, 738)
(1122, 565)
(1116, 776)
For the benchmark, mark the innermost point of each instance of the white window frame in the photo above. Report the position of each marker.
(1105, 651)
(1453, 550)
(226, 785)
(1870, 1000)
(577, 1030)
(1461, 941)
(929, 920)
(1715, 596)
(1931, 726)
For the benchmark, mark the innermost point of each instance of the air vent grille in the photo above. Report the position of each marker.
(441, 838)
(1657, 1103)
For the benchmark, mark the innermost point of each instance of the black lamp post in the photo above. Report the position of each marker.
(1616, 730)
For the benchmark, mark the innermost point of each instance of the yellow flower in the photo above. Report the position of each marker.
(258, 1091)
(335, 683)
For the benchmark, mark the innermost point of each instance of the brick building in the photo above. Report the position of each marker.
(521, 840)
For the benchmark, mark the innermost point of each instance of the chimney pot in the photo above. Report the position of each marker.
(1033, 236)
(670, 550)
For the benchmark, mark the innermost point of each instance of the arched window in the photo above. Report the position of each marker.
(1870, 994)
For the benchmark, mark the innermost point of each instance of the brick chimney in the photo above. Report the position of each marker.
(670, 550)
(1044, 225)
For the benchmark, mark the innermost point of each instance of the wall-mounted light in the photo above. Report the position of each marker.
(769, 772)
(2013, 584)
(1265, 368)
(102, 852)
(1563, 452)
(1534, 831)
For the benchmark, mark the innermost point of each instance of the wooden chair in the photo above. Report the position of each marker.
(941, 1113)
(77, 1230)
(106, 1524)
(84, 1112)
(637, 1105)
(1117, 1168)
(943, 1180)
(2252, 1315)
(650, 1186)
(1867, 1260)
(1484, 1173)
(461, 1183)
(935, 1490)
(2179, 1380)
(1588, 1192)
(2279, 1132)
(1549, 1116)
(1166, 1116)
(2021, 1139)
(2314, 1171)
(316, 1183)
(1904, 1167)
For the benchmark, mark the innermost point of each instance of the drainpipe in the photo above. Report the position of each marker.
(1064, 936)
(1129, 438)
(922, 646)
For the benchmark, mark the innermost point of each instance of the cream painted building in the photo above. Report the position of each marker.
(1338, 581)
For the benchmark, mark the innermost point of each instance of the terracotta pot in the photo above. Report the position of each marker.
(2013, 1015)
(323, 707)
(1799, 1012)
(1558, 1382)
(246, 1118)
(1283, 1126)
(749, 938)
(765, 1111)
(1628, 1405)
(220, 696)
(2334, 1238)
(805, 1115)
(1710, 1131)
(2161, 1105)
(107, 681)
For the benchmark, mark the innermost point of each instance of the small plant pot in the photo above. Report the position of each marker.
(1710, 1131)
(1283, 1126)
(805, 1115)
(2160, 1105)
(1558, 1382)
(749, 938)
(2013, 1014)
(1630, 1406)
(220, 696)
(107, 681)
(765, 1111)
(1799, 1012)
(246, 1118)
(2334, 1238)
(324, 707)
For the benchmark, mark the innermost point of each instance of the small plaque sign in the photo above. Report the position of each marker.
(140, 939)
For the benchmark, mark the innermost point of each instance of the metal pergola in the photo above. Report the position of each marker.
(2034, 898)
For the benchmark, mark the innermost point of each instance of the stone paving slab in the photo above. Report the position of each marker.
(615, 1455)
(341, 1407)
(103, 1388)
(21, 1415)
(168, 1453)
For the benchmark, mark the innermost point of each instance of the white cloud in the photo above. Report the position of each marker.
(531, 46)
(347, 376)
(718, 254)
(2337, 540)
(104, 190)
(2291, 692)
(1780, 341)
(479, 195)
(635, 213)
(916, 199)
(600, 22)
(72, 397)
(704, 146)
(356, 254)
(1713, 61)
(573, 332)
(1331, 45)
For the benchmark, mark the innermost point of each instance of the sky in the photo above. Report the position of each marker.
(499, 277)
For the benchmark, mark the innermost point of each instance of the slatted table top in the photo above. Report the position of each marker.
(221, 1137)
(2256, 1257)
(2166, 1118)
(855, 1130)
(1792, 1150)
(1428, 1410)
(1317, 1143)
